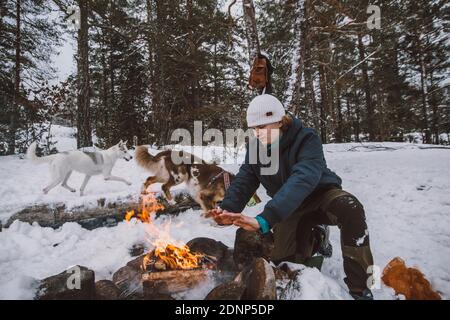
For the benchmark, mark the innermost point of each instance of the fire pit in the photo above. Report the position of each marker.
(174, 269)
(171, 267)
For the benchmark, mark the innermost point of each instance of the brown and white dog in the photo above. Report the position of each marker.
(206, 182)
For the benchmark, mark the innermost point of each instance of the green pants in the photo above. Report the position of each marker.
(294, 240)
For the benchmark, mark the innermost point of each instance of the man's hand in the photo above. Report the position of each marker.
(226, 218)
(213, 213)
(247, 223)
(223, 217)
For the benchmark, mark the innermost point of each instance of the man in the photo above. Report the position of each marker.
(304, 193)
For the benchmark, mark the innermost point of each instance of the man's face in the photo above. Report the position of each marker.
(267, 133)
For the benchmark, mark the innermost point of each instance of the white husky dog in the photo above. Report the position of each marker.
(90, 163)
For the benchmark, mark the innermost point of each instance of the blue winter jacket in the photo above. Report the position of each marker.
(302, 171)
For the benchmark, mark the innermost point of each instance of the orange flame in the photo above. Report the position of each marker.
(175, 257)
(148, 205)
(174, 254)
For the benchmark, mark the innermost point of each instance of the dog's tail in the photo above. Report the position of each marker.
(31, 155)
(144, 158)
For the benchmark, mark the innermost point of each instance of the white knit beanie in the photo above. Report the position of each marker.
(264, 109)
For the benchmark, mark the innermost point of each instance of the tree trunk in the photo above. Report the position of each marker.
(304, 66)
(394, 103)
(308, 67)
(216, 81)
(356, 125)
(436, 114)
(339, 125)
(382, 119)
(84, 137)
(251, 30)
(193, 52)
(15, 112)
(323, 103)
(425, 102)
(301, 28)
(348, 133)
(309, 78)
(153, 68)
(112, 103)
(310, 93)
(150, 47)
(160, 113)
(369, 106)
(104, 89)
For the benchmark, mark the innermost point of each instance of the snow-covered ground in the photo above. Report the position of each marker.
(404, 189)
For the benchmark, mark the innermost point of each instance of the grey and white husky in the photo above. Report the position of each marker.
(90, 163)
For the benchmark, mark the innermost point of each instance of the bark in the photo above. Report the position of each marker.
(348, 133)
(17, 80)
(150, 46)
(309, 84)
(301, 28)
(84, 137)
(339, 125)
(173, 281)
(104, 88)
(435, 113)
(356, 125)
(159, 107)
(324, 102)
(193, 52)
(367, 93)
(425, 101)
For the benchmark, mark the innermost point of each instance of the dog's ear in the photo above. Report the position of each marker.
(125, 143)
(120, 142)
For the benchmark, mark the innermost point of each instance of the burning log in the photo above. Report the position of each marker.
(172, 281)
(160, 265)
(150, 204)
(168, 277)
(182, 203)
(176, 258)
(174, 269)
(106, 214)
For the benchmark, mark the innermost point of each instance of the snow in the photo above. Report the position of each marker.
(360, 241)
(444, 137)
(311, 284)
(404, 190)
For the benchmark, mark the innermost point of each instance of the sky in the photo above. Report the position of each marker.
(64, 59)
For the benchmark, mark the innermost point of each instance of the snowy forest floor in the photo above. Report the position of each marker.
(404, 188)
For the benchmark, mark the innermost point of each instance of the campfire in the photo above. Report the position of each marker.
(171, 266)
(148, 205)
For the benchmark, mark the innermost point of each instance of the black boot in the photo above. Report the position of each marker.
(323, 234)
(365, 295)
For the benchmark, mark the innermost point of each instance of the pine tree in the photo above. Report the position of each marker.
(28, 37)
